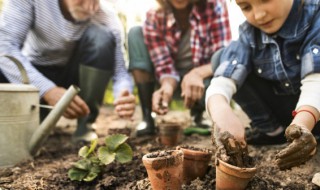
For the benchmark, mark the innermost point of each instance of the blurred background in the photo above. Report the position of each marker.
(132, 13)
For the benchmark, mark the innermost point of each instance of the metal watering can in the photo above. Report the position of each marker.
(20, 133)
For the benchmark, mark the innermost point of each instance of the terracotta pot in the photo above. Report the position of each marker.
(164, 169)
(229, 177)
(170, 133)
(120, 126)
(195, 163)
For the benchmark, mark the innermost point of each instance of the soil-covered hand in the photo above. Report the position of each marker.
(162, 97)
(230, 150)
(192, 88)
(125, 104)
(301, 148)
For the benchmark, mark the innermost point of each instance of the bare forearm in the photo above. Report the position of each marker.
(223, 116)
(306, 116)
(203, 71)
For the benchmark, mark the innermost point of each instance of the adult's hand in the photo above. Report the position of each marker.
(162, 97)
(192, 88)
(125, 104)
(301, 148)
(77, 107)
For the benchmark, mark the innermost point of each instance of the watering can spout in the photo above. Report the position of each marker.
(43, 131)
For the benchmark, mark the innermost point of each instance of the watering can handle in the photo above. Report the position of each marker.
(25, 79)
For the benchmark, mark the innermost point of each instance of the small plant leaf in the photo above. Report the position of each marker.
(114, 141)
(83, 152)
(94, 172)
(83, 164)
(105, 155)
(93, 146)
(91, 176)
(94, 160)
(77, 174)
(124, 153)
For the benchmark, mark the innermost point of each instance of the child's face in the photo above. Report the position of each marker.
(82, 10)
(179, 4)
(267, 15)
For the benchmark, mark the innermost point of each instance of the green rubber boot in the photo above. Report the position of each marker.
(92, 83)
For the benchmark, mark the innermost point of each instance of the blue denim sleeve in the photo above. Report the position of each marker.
(235, 60)
(310, 62)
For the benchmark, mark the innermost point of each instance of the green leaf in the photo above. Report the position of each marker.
(94, 160)
(90, 177)
(95, 169)
(83, 152)
(83, 164)
(77, 174)
(114, 141)
(124, 153)
(93, 146)
(94, 172)
(106, 156)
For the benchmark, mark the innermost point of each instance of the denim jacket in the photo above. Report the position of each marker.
(283, 58)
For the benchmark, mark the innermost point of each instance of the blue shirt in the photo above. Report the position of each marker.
(283, 58)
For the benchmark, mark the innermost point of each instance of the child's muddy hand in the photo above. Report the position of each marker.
(301, 148)
(229, 149)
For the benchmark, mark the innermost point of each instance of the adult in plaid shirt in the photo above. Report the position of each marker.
(174, 47)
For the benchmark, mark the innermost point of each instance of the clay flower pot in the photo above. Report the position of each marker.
(120, 126)
(164, 169)
(232, 177)
(195, 162)
(169, 133)
(170, 129)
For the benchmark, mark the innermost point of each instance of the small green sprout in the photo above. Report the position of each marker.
(92, 162)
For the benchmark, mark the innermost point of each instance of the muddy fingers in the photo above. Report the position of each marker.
(292, 163)
(302, 147)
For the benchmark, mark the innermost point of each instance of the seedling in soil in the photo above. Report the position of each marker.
(92, 162)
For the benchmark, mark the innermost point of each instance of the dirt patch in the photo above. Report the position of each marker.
(49, 169)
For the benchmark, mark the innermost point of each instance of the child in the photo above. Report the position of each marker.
(272, 69)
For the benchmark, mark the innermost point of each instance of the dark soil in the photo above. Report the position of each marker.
(49, 169)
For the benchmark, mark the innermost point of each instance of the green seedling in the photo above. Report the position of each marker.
(93, 161)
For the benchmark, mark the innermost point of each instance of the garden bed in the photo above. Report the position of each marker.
(49, 169)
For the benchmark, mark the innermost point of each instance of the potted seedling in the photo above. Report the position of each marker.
(234, 166)
(164, 169)
(195, 162)
(93, 161)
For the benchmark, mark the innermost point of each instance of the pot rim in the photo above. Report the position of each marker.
(235, 170)
(191, 154)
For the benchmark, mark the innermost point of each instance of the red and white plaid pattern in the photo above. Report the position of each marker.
(210, 31)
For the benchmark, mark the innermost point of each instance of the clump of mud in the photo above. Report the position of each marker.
(232, 151)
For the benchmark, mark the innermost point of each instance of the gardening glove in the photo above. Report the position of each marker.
(229, 149)
(301, 148)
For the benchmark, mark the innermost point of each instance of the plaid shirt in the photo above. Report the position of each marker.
(210, 31)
